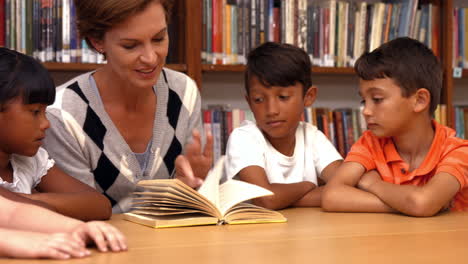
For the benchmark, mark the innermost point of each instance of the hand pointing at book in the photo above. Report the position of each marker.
(193, 167)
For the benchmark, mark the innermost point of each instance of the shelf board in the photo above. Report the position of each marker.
(223, 68)
(464, 73)
(241, 68)
(333, 70)
(83, 67)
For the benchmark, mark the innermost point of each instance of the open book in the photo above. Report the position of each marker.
(171, 203)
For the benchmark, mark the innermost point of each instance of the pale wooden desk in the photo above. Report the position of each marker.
(310, 236)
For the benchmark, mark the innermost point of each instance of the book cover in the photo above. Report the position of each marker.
(171, 203)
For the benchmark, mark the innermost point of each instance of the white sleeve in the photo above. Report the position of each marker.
(43, 164)
(324, 152)
(244, 149)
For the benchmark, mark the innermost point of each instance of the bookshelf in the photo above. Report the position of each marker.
(443, 28)
(186, 45)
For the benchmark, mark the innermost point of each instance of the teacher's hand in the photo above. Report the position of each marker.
(193, 167)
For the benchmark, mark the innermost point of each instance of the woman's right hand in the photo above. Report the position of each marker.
(193, 167)
(22, 244)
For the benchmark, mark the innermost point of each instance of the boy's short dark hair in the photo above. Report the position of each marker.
(21, 75)
(409, 63)
(278, 64)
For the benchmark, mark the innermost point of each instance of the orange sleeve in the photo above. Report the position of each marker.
(361, 152)
(456, 164)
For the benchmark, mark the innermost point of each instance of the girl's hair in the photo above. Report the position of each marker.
(96, 17)
(21, 75)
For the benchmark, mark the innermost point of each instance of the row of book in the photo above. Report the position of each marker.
(334, 33)
(460, 39)
(461, 121)
(343, 127)
(44, 29)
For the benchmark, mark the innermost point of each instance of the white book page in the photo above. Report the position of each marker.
(233, 192)
(210, 186)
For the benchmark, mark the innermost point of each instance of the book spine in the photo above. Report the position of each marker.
(330, 61)
(7, 23)
(240, 32)
(234, 33)
(18, 26)
(49, 31)
(29, 27)
(226, 33)
(2, 23)
(204, 31)
(253, 23)
(209, 31)
(73, 34)
(302, 24)
(261, 21)
(270, 21)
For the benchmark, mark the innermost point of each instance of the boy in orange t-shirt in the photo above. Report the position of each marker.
(405, 162)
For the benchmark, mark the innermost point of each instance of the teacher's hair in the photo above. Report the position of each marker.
(96, 17)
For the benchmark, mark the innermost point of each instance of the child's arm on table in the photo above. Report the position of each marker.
(340, 194)
(28, 217)
(314, 197)
(25, 244)
(285, 194)
(71, 197)
(18, 197)
(426, 200)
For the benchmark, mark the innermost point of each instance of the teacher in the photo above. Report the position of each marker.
(130, 119)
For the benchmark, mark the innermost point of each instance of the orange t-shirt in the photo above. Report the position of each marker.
(447, 154)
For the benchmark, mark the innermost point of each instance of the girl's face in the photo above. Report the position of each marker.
(136, 49)
(22, 127)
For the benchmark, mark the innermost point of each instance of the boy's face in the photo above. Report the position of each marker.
(278, 109)
(23, 127)
(386, 111)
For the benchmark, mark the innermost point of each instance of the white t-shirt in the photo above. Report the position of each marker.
(248, 147)
(28, 171)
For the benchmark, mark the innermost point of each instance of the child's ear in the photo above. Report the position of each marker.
(246, 97)
(310, 96)
(422, 100)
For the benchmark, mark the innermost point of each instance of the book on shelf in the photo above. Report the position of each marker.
(171, 203)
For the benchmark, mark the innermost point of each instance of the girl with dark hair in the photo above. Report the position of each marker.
(26, 89)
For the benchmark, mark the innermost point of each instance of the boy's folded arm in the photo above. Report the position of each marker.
(71, 197)
(314, 196)
(412, 200)
(341, 194)
(284, 194)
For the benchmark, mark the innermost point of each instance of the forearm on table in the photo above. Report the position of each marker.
(344, 198)
(285, 195)
(313, 198)
(407, 199)
(82, 205)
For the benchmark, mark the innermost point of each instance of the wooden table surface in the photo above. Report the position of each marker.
(309, 236)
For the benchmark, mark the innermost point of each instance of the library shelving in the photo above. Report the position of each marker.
(188, 31)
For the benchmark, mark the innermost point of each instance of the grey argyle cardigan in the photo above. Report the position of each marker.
(85, 143)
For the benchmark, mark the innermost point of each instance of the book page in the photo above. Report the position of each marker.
(210, 187)
(245, 213)
(171, 221)
(233, 192)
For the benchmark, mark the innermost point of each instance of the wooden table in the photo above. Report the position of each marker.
(309, 236)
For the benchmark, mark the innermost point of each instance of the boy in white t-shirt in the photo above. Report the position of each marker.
(279, 152)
